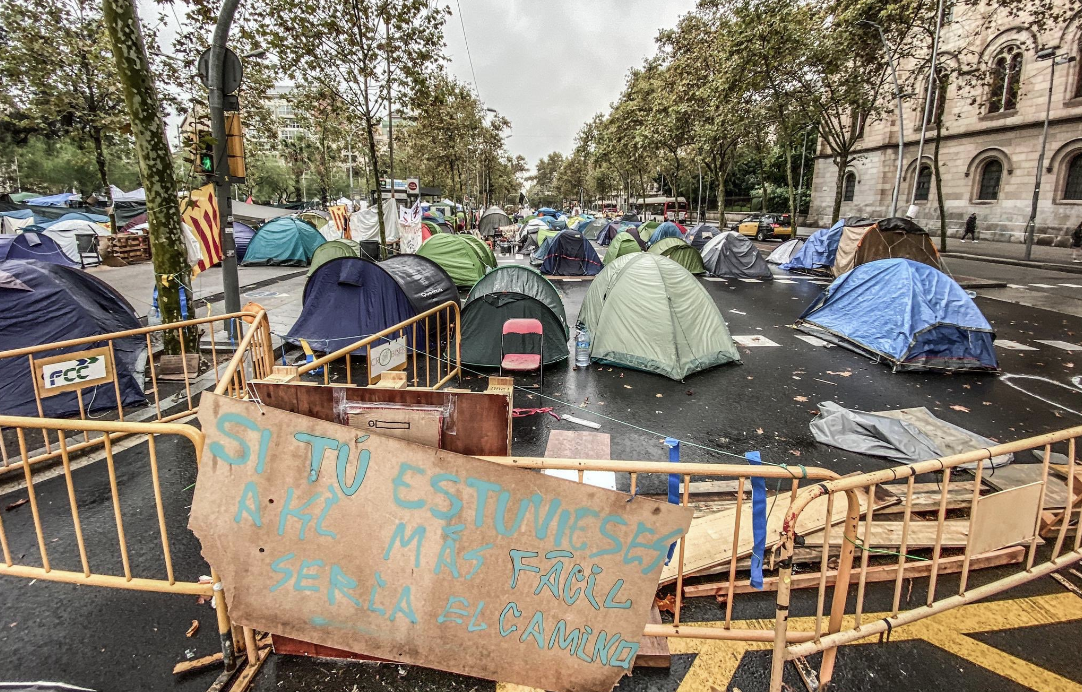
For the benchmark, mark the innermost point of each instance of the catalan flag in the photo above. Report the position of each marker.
(200, 213)
(340, 216)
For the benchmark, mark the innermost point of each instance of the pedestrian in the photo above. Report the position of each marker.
(1076, 244)
(971, 228)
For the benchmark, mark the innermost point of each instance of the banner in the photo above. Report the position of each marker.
(200, 213)
(376, 545)
(340, 216)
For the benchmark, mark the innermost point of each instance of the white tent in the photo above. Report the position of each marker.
(364, 225)
(64, 232)
(137, 195)
(11, 225)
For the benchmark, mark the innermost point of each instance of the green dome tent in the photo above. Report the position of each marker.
(544, 234)
(458, 257)
(482, 248)
(647, 312)
(511, 292)
(285, 241)
(621, 245)
(334, 249)
(680, 252)
(647, 229)
(595, 227)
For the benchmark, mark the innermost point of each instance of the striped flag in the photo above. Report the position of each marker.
(200, 212)
(340, 217)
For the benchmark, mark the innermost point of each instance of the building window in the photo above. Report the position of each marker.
(1006, 79)
(849, 187)
(1072, 189)
(861, 121)
(1078, 75)
(991, 175)
(924, 184)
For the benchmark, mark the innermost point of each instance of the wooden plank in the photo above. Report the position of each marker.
(1005, 518)
(418, 425)
(1016, 475)
(654, 651)
(926, 496)
(197, 664)
(576, 444)
(878, 573)
(888, 535)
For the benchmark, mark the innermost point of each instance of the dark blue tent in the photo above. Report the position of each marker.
(570, 254)
(33, 246)
(665, 230)
(606, 234)
(700, 235)
(819, 250)
(347, 299)
(242, 235)
(42, 303)
(547, 211)
(908, 313)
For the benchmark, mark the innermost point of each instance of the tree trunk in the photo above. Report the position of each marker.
(841, 161)
(171, 269)
(103, 172)
(789, 181)
(379, 190)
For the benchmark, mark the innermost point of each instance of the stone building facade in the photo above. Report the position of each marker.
(993, 118)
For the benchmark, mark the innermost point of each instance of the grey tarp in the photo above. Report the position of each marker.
(905, 435)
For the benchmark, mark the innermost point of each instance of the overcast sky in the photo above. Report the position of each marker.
(549, 65)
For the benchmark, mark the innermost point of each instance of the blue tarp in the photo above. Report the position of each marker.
(548, 211)
(819, 251)
(60, 200)
(570, 254)
(912, 314)
(665, 230)
(29, 245)
(285, 241)
(83, 216)
(17, 214)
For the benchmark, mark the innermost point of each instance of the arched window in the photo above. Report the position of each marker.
(1072, 188)
(991, 175)
(1006, 79)
(924, 184)
(849, 187)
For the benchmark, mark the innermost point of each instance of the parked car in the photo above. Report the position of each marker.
(766, 226)
(735, 225)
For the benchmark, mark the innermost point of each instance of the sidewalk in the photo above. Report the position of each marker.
(1042, 257)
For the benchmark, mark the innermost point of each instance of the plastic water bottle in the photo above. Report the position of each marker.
(582, 346)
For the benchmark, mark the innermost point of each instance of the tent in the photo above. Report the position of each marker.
(680, 252)
(364, 225)
(322, 222)
(22, 196)
(42, 303)
(256, 214)
(547, 211)
(630, 216)
(33, 246)
(285, 241)
(426, 284)
(665, 230)
(333, 249)
(647, 229)
(347, 299)
(482, 248)
(622, 244)
(458, 257)
(242, 236)
(785, 252)
(700, 235)
(732, 255)
(894, 237)
(429, 229)
(649, 313)
(592, 228)
(570, 254)
(905, 312)
(545, 233)
(10, 224)
(61, 200)
(84, 216)
(65, 232)
(819, 253)
(492, 220)
(510, 292)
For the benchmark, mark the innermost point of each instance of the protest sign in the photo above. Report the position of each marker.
(376, 545)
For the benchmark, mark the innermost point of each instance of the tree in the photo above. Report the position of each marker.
(544, 190)
(171, 270)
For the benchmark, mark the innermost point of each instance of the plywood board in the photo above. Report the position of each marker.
(422, 426)
(888, 534)
(1005, 518)
(415, 554)
(1015, 475)
(575, 444)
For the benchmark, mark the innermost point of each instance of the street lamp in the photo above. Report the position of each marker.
(901, 121)
(933, 81)
(1031, 224)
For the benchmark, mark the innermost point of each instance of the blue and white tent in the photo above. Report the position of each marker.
(819, 251)
(907, 313)
(665, 230)
(60, 200)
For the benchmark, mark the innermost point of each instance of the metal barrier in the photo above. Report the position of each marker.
(252, 357)
(988, 529)
(439, 327)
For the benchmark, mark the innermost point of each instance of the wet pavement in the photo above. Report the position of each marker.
(113, 640)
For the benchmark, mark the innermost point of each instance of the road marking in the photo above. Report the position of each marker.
(813, 340)
(1072, 285)
(752, 281)
(1013, 345)
(784, 281)
(1009, 380)
(714, 278)
(754, 340)
(1061, 345)
(1016, 286)
(1043, 285)
(717, 661)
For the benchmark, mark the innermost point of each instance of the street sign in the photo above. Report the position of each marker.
(413, 186)
(232, 72)
(388, 356)
(70, 371)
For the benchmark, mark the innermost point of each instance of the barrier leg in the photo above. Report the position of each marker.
(781, 616)
(225, 630)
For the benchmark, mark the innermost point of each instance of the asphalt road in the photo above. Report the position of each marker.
(114, 640)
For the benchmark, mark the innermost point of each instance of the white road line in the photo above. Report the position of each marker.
(1066, 346)
(752, 281)
(714, 278)
(1072, 285)
(784, 281)
(1016, 286)
(813, 340)
(1042, 285)
(1013, 345)
(754, 340)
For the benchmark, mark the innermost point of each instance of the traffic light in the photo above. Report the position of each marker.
(206, 160)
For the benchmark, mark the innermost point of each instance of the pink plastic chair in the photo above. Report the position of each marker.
(523, 362)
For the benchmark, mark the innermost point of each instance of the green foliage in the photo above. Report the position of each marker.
(54, 164)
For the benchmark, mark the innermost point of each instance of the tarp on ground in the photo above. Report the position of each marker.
(680, 252)
(622, 244)
(65, 234)
(333, 249)
(459, 258)
(733, 256)
(785, 252)
(347, 299)
(492, 220)
(42, 303)
(906, 436)
(511, 292)
(911, 315)
(285, 241)
(425, 283)
(888, 238)
(646, 312)
(60, 200)
(701, 234)
(570, 254)
(663, 231)
(33, 246)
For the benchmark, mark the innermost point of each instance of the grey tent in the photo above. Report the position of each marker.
(491, 220)
(734, 256)
(647, 312)
(594, 227)
(784, 252)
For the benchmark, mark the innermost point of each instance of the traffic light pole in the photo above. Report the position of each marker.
(216, 101)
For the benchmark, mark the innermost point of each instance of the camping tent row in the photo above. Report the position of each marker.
(463, 256)
(852, 242)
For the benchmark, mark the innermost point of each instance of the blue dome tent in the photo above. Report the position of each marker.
(665, 230)
(700, 235)
(569, 254)
(242, 236)
(908, 313)
(285, 241)
(547, 211)
(819, 252)
(33, 246)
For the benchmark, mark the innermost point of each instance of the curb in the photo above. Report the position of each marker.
(1049, 266)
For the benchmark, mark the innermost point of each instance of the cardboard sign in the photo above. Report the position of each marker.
(70, 371)
(387, 356)
(384, 547)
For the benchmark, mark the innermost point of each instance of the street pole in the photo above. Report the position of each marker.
(933, 80)
(1031, 224)
(800, 185)
(699, 203)
(216, 103)
(390, 122)
(901, 119)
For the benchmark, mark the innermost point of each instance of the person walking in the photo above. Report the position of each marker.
(1076, 244)
(971, 228)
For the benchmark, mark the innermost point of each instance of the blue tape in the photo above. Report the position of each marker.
(758, 522)
(674, 482)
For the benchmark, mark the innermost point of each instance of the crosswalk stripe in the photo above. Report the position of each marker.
(1013, 345)
(1063, 345)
